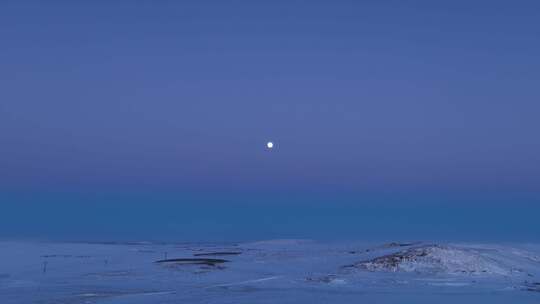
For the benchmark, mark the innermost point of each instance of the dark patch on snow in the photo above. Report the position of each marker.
(395, 244)
(532, 286)
(116, 273)
(65, 256)
(219, 253)
(323, 279)
(193, 261)
(385, 246)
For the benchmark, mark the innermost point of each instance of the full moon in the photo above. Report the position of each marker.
(269, 145)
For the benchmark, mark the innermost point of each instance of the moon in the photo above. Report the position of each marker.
(269, 145)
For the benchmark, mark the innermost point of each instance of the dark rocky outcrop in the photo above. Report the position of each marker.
(435, 259)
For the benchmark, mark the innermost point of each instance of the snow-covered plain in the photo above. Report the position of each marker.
(280, 271)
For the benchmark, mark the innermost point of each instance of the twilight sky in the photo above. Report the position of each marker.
(423, 98)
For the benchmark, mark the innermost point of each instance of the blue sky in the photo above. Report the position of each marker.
(426, 101)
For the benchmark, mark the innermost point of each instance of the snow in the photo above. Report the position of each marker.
(278, 271)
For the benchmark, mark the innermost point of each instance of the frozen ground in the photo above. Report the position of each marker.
(286, 271)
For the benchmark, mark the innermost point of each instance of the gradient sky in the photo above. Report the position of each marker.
(168, 103)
